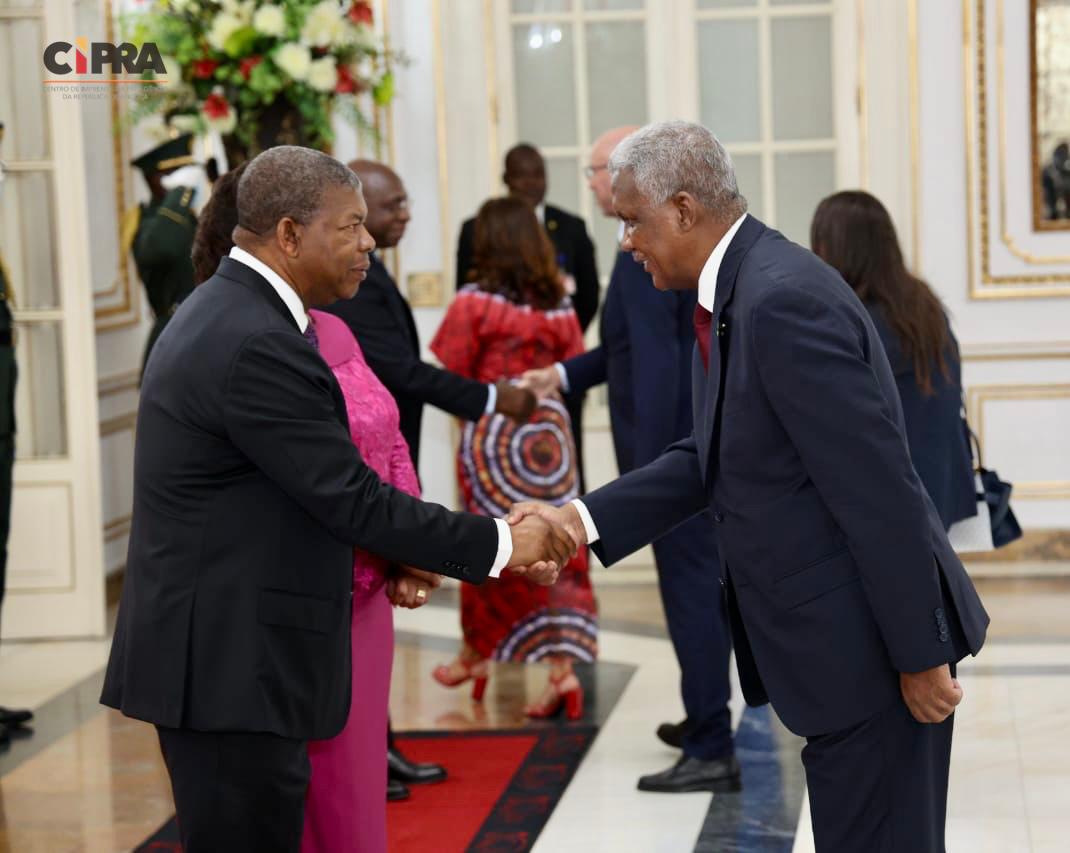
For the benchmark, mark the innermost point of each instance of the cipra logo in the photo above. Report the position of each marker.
(101, 59)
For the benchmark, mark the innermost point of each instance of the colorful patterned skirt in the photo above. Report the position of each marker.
(499, 463)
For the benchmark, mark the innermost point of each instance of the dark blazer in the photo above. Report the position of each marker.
(839, 572)
(249, 497)
(939, 445)
(575, 255)
(644, 357)
(382, 322)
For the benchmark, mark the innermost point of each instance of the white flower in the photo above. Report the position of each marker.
(294, 59)
(224, 25)
(323, 74)
(324, 25)
(172, 77)
(240, 9)
(269, 21)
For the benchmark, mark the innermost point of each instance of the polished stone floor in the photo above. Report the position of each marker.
(89, 780)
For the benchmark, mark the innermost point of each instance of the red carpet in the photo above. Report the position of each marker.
(446, 817)
(502, 788)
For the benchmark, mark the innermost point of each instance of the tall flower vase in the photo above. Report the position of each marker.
(280, 123)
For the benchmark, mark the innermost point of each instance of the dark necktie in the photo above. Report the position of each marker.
(310, 334)
(703, 321)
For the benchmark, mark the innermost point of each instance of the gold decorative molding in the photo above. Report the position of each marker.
(1032, 351)
(121, 423)
(118, 383)
(862, 100)
(976, 111)
(439, 73)
(117, 527)
(915, 134)
(490, 62)
(978, 395)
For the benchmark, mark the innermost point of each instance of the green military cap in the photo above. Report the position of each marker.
(166, 156)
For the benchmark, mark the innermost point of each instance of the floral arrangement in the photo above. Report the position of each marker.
(231, 64)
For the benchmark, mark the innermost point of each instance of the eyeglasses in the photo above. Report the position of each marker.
(591, 171)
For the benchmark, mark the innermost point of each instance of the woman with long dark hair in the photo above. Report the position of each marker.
(853, 233)
(515, 316)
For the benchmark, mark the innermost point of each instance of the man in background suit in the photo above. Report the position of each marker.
(382, 322)
(645, 359)
(233, 633)
(848, 606)
(525, 177)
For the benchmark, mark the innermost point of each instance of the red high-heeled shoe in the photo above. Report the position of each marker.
(477, 670)
(571, 700)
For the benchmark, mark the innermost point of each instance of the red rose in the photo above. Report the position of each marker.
(203, 69)
(346, 84)
(216, 106)
(361, 13)
(248, 64)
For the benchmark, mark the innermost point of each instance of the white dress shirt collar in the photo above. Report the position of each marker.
(286, 293)
(707, 280)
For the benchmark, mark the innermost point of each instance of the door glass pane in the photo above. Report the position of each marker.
(539, 7)
(802, 78)
(611, 5)
(22, 97)
(545, 84)
(728, 79)
(616, 74)
(725, 4)
(802, 180)
(563, 184)
(40, 413)
(28, 240)
(749, 179)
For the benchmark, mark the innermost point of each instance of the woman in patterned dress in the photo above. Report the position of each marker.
(514, 317)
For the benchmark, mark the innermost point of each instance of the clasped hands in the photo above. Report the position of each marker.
(544, 539)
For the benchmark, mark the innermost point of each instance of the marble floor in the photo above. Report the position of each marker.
(89, 780)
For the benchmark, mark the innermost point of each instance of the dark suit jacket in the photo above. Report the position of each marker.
(249, 496)
(939, 445)
(575, 255)
(382, 322)
(645, 357)
(835, 557)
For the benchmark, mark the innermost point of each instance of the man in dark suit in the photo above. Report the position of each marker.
(249, 497)
(525, 177)
(382, 322)
(644, 357)
(848, 607)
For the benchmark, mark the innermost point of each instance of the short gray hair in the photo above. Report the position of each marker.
(680, 156)
(288, 180)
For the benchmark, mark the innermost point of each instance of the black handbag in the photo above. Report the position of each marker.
(997, 496)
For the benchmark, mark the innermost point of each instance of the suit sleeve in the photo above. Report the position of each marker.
(586, 297)
(586, 370)
(647, 503)
(280, 413)
(402, 374)
(813, 366)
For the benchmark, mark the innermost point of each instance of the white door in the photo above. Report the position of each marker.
(54, 575)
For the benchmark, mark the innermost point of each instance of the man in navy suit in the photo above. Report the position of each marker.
(233, 633)
(848, 606)
(645, 355)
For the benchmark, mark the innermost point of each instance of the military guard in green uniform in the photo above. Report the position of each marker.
(9, 719)
(160, 233)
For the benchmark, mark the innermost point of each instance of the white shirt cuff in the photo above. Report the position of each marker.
(588, 522)
(564, 376)
(505, 548)
(492, 400)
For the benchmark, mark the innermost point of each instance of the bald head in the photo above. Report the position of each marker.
(598, 172)
(388, 203)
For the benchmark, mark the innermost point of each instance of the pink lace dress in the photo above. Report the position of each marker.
(346, 806)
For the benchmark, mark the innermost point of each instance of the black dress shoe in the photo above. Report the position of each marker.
(412, 772)
(396, 790)
(9, 717)
(694, 774)
(672, 734)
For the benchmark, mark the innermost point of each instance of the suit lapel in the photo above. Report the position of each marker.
(239, 272)
(720, 330)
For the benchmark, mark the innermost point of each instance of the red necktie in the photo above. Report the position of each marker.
(703, 321)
